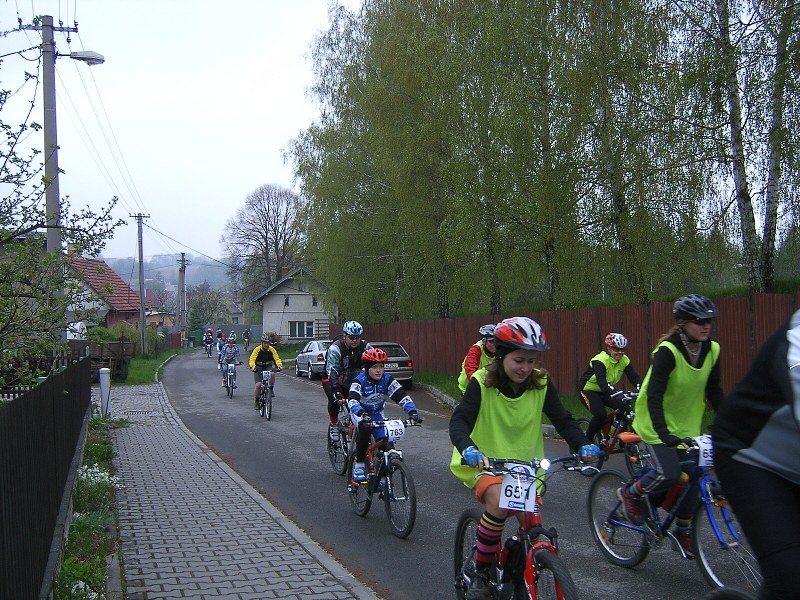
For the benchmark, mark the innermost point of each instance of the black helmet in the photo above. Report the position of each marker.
(695, 306)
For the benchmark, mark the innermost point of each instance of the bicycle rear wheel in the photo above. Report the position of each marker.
(637, 458)
(553, 581)
(360, 496)
(464, 552)
(337, 449)
(620, 542)
(400, 498)
(730, 563)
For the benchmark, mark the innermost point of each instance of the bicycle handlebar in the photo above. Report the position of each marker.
(376, 424)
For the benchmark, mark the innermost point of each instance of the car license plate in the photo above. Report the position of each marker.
(391, 365)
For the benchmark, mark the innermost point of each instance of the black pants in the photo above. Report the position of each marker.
(667, 465)
(768, 509)
(597, 403)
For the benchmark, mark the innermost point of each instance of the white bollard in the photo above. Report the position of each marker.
(105, 392)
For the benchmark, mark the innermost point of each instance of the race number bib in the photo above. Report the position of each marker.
(395, 430)
(706, 450)
(518, 491)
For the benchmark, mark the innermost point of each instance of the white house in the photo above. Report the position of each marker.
(292, 310)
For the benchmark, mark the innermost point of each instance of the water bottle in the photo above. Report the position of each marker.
(675, 492)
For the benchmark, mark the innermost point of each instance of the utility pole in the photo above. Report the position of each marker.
(183, 309)
(142, 321)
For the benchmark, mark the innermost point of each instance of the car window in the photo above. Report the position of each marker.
(393, 350)
(323, 346)
(308, 347)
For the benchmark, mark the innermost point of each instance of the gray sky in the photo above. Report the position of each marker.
(188, 115)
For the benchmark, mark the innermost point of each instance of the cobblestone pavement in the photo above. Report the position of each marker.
(190, 527)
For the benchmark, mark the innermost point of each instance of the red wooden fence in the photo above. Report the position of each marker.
(439, 345)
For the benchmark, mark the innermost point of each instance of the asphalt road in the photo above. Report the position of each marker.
(287, 461)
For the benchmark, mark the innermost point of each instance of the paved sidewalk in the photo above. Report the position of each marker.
(190, 527)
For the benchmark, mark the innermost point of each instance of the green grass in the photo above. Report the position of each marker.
(143, 370)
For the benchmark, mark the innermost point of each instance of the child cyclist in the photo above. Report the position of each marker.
(684, 374)
(500, 416)
(479, 355)
(597, 382)
(368, 393)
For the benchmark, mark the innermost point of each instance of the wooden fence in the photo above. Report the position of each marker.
(575, 336)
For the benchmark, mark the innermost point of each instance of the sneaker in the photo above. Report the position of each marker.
(222, 384)
(685, 540)
(272, 392)
(234, 386)
(480, 588)
(257, 405)
(631, 505)
(359, 472)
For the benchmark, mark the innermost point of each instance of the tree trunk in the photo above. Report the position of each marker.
(750, 241)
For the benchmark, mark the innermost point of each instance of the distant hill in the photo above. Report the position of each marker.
(164, 267)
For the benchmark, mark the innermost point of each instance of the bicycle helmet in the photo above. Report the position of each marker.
(519, 333)
(231, 341)
(695, 306)
(374, 355)
(353, 328)
(266, 338)
(616, 340)
(487, 331)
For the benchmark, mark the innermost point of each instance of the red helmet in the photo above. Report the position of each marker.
(616, 340)
(520, 333)
(374, 355)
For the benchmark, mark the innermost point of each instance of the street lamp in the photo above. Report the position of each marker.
(51, 194)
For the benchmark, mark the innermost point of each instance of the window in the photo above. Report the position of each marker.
(313, 300)
(286, 300)
(301, 329)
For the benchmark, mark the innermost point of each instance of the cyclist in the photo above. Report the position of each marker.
(685, 372)
(342, 364)
(500, 415)
(597, 383)
(263, 357)
(368, 394)
(246, 338)
(208, 337)
(232, 336)
(229, 355)
(479, 355)
(756, 437)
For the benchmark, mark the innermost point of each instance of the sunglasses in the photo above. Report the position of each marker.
(353, 337)
(702, 321)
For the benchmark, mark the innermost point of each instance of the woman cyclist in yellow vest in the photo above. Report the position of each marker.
(685, 373)
(500, 416)
(597, 383)
(479, 355)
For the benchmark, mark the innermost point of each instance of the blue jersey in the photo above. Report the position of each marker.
(372, 395)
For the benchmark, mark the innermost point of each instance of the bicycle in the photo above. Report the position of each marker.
(339, 437)
(230, 379)
(209, 347)
(527, 564)
(264, 402)
(615, 436)
(387, 476)
(723, 554)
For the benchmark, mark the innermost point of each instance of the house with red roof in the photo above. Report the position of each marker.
(113, 299)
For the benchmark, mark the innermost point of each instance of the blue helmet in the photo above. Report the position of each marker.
(353, 328)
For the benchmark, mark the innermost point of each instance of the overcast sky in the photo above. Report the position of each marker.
(188, 115)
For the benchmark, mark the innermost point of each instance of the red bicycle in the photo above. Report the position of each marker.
(528, 565)
(615, 436)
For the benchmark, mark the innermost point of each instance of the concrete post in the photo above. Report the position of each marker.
(105, 392)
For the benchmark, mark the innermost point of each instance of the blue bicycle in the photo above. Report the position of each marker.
(723, 555)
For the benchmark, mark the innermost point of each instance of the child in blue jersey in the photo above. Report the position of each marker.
(368, 394)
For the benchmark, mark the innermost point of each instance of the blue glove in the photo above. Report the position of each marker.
(590, 451)
(473, 456)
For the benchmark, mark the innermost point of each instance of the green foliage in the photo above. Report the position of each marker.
(100, 334)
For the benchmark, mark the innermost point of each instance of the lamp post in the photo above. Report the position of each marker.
(49, 55)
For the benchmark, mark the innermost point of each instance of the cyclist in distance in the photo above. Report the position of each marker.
(342, 364)
(264, 356)
(597, 383)
(230, 354)
(232, 336)
(685, 372)
(208, 336)
(479, 355)
(756, 438)
(368, 394)
(500, 416)
(246, 338)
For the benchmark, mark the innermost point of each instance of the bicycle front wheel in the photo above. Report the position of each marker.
(262, 405)
(400, 498)
(553, 580)
(726, 560)
(268, 409)
(360, 496)
(464, 551)
(620, 542)
(637, 458)
(337, 449)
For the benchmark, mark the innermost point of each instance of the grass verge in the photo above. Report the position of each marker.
(92, 540)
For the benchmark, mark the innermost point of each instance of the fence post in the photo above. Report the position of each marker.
(105, 391)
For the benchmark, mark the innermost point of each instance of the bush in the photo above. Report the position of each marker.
(100, 334)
